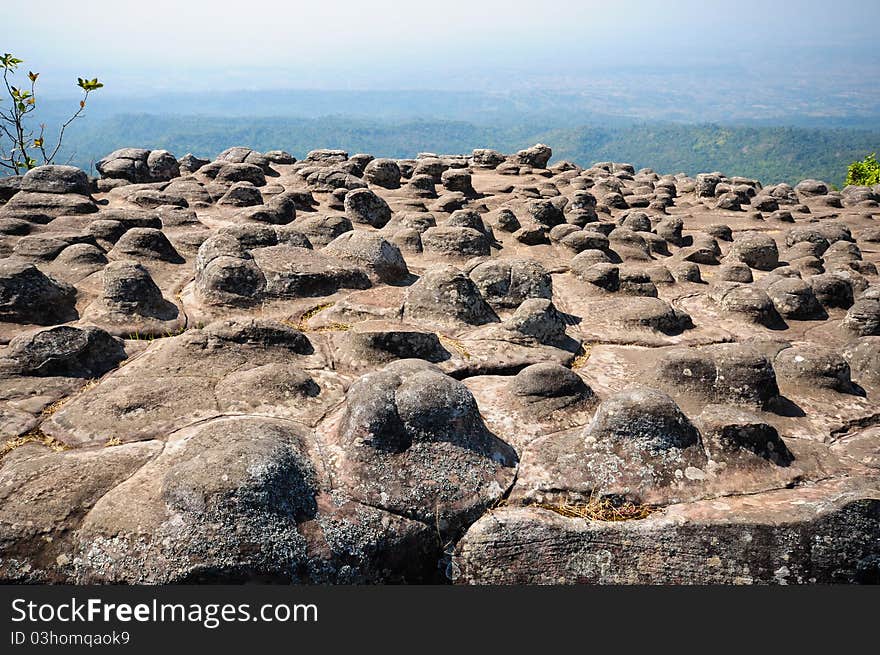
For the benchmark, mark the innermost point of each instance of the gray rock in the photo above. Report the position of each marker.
(448, 296)
(506, 283)
(383, 172)
(27, 295)
(365, 207)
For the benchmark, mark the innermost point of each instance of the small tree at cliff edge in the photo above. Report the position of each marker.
(864, 173)
(21, 148)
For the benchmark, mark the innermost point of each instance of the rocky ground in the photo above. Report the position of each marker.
(482, 368)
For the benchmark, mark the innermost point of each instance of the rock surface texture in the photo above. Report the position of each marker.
(484, 368)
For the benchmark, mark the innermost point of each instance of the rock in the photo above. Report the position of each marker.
(328, 179)
(537, 156)
(129, 290)
(457, 180)
(151, 199)
(162, 165)
(56, 179)
(686, 272)
(137, 165)
(545, 213)
(811, 188)
(146, 243)
(322, 372)
(730, 202)
(376, 342)
(670, 230)
(413, 443)
(636, 282)
(189, 163)
(546, 388)
(814, 366)
(863, 318)
(241, 194)
(27, 295)
(644, 418)
(229, 280)
(705, 184)
(735, 272)
(832, 290)
(63, 351)
(863, 357)
(507, 283)
(750, 302)
(422, 186)
(372, 252)
(231, 173)
(365, 207)
(506, 220)
(448, 296)
(485, 158)
(531, 234)
(9, 186)
(383, 172)
(321, 230)
(538, 319)
(729, 431)
(795, 299)
(38, 207)
(81, 257)
(756, 250)
(327, 156)
(653, 314)
(280, 157)
(498, 548)
(56, 482)
(292, 272)
(455, 241)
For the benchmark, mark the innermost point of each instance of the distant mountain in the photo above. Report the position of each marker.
(771, 154)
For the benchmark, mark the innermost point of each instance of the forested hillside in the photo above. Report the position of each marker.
(771, 154)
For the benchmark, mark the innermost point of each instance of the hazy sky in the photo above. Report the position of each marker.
(143, 45)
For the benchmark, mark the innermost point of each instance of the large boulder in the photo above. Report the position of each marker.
(138, 165)
(537, 156)
(508, 282)
(412, 441)
(383, 173)
(446, 295)
(27, 295)
(371, 251)
(56, 179)
(63, 351)
(365, 207)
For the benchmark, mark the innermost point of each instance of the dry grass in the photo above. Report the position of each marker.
(582, 357)
(54, 407)
(451, 343)
(58, 404)
(34, 436)
(137, 336)
(599, 509)
(595, 509)
(303, 324)
(332, 327)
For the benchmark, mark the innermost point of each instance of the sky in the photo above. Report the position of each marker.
(139, 47)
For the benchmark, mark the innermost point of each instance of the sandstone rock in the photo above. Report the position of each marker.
(507, 283)
(364, 206)
(448, 296)
(27, 295)
(371, 251)
(537, 156)
(383, 172)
